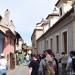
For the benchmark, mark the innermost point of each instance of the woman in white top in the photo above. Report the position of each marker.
(3, 65)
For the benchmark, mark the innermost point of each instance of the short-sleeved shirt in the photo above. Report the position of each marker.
(3, 64)
(34, 64)
(69, 67)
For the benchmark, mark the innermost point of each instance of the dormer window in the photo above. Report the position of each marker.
(60, 11)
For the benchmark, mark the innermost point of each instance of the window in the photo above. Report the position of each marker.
(47, 44)
(65, 41)
(57, 43)
(51, 43)
(60, 11)
(49, 23)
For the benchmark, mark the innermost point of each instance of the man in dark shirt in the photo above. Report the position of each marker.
(33, 66)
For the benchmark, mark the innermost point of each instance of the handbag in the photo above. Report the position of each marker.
(51, 70)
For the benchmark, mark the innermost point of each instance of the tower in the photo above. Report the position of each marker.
(11, 26)
(6, 18)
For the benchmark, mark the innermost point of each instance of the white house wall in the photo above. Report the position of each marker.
(38, 34)
(41, 46)
(67, 28)
(46, 27)
(66, 25)
(66, 7)
(53, 20)
(70, 37)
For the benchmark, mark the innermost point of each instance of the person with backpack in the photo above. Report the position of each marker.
(49, 62)
(63, 61)
(46, 64)
(42, 66)
(56, 64)
(71, 63)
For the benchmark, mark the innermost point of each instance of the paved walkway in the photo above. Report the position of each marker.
(19, 70)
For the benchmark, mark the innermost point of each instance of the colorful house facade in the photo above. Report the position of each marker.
(7, 37)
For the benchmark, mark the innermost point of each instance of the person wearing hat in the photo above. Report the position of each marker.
(3, 64)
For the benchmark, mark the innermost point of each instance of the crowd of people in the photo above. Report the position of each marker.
(48, 64)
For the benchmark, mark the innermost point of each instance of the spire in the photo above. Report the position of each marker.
(55, 10)
(7, 14)
(11, 26)
(7, 17)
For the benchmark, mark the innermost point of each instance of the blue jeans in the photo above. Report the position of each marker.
(3, 72)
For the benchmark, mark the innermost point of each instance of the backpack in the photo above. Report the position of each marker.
(56, 67)
(50, 68)
(73, 63)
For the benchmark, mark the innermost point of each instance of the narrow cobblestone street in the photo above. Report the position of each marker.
(19, 70)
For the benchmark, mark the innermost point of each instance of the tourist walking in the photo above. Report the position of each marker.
(3, 65)
(49, 62)
(27, 59)
(56, 64)
(46, 64)
(71, 63)
(34, 65)
(42, 65)
(63, 61)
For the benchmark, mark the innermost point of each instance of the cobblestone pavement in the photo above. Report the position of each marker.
(19, 70)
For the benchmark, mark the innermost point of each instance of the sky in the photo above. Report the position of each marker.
(26, 13)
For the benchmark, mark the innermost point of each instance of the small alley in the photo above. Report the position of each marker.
(55, 32)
